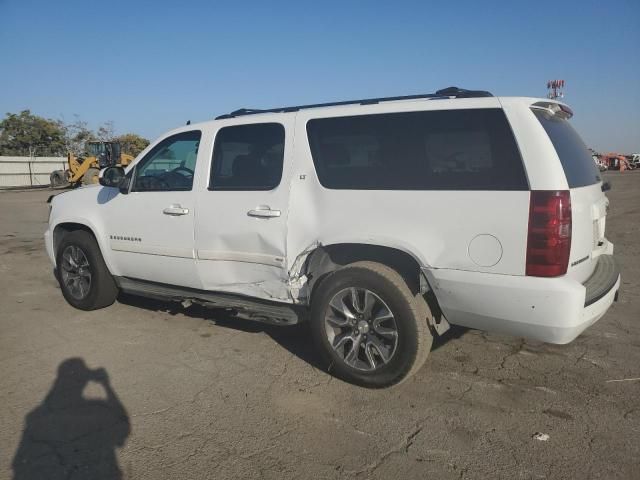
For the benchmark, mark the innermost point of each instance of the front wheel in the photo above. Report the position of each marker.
(370, 328)
(84, 278)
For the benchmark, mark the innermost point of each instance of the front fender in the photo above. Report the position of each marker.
(86, 206)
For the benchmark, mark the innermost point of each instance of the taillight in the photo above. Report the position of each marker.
(549, 239)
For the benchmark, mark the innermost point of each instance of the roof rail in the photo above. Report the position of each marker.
(450, 92)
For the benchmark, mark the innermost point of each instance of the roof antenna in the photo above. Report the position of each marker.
(188, 122)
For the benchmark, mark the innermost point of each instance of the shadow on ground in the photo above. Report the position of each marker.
(296, 339)
(70, 436)
(453, 333)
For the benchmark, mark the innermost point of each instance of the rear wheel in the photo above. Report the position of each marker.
(368, 325)
(84, 278)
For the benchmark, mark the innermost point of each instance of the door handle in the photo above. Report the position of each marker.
(263, 211)
(175, 210)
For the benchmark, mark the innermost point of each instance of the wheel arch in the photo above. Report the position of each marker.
(65, 227)
(325, 259)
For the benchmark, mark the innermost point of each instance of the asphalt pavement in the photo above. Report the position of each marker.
(149, 390)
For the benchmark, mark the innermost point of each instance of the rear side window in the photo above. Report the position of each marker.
(437, 150)
(577, 162)
(248, 157)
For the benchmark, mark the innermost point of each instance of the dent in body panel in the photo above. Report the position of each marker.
(289, 287)
(275, 290)
(297, 283)
(237, 268)
(251, 241)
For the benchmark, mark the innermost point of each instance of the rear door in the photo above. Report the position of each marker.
(240, 232)
(588, 202)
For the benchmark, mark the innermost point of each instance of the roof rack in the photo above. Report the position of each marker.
(450, 92)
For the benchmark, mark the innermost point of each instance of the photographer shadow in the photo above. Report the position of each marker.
(70, 436)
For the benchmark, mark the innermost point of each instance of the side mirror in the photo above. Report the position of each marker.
(606, 186)
(113, 177)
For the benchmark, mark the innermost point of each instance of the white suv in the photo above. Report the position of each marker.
(380, 221)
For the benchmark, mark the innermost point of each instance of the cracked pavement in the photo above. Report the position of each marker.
(208, 396)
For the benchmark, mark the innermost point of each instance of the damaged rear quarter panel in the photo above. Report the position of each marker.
(434, 227)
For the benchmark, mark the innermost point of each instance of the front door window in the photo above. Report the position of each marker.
(169, 166)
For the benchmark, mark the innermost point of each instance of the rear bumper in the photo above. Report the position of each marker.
(554, 310)
(602, 280)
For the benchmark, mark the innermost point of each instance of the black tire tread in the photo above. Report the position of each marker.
(104, 290)
(419, 310)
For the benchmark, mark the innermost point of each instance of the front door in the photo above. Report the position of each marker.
(150, 229)
(240, 232)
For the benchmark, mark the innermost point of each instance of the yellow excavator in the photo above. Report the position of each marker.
(84, 170)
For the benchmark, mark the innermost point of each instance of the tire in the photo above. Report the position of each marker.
(58, 179)
(80, 248)
(375, 364)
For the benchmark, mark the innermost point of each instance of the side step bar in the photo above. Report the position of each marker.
(245, 307)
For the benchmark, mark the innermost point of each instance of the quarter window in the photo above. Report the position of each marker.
(248, 157)
(576, 160)
(169, 166)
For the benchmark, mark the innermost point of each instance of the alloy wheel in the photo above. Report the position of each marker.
(361, 329)
(75, 272)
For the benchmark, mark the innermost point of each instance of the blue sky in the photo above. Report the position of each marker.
(150, 66)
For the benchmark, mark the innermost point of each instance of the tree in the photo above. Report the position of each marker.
(106, 132)
(28, 134)
(132, 144)
(77, 135)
